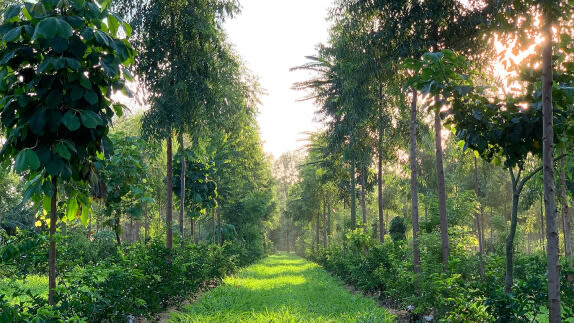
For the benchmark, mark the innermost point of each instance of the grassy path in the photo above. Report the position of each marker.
(282, 288)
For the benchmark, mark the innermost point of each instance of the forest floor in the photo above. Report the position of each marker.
(282, 288)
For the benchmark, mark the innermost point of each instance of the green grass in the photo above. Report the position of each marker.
(282, 288)
(38, 285)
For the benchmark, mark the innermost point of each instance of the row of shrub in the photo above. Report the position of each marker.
(458, 294)
(100, 282)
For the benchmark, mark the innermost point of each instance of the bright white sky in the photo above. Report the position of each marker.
(273, 36)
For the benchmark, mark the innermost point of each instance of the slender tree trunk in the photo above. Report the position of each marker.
(353, 206)
(325, 221)
(380, 168)
(192, 229)
(117, 227)
(146, 223)
(131, 230)
(441, 189)
(198, 230)
(363, 197)
(414, 188)
(169, 190)
(318, 227)
(548, 169)
(509, 276)
(52, 249)
(542, 226)
(213, 226)
(329, 230)
(220, 239)
(182, 190)
(477, 217)
(380, 192)
(517, 186)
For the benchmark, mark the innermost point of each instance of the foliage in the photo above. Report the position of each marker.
(60, 66)
(136, 280)
(398, 229)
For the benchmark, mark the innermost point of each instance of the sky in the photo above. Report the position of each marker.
(273, 36)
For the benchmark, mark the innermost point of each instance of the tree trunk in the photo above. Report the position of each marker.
(213, 226)
(380, 195)
(542, 226)
(509, 276)
(329, 230)
(441, 189)
(117, 227)
(363, 197)
(52, 248)
(548, 169)
(182, 190)
(414, 188)
(517, 186)
(352, 191)
(131, 230)
(198, 230)
(146, 223)
(219, 238)
(477, 217)
(318, 224)
(192, 229)
(169, 190)
(325, 221)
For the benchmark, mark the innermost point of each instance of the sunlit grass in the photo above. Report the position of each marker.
(282, 288)
(11, 288)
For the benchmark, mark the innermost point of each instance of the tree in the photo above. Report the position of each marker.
(61, 63)
(179, 77)
(548, 167)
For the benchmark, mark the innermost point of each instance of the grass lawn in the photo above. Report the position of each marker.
(282, 288)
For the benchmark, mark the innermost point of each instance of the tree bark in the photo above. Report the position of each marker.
(182, 190)
(318, 235)
(509, 275)
(220, 239)
(380, 192)
(414, 188)
(117, 227)
(325, 221)
(441, 189)
(363, 198)
(477, 218)
(131, 230)
(213, 226)
(169, 189)
(352, 191)
(192, 229)
(548, 169)
(52, 248)
(517, 186)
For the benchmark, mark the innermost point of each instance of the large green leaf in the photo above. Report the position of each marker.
(72, 209)
(27, 158)
(12, 12)
(52, 27)
(91, 97)
(71, 121)
(90, 119)
(12, 35)
(61, 150)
